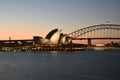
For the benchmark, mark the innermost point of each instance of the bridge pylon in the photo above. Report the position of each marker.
(89, 41)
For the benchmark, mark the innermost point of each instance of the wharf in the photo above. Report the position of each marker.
(40, 48)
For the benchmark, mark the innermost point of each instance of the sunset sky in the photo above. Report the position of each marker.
(23, 19)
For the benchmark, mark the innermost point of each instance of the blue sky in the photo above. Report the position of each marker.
(26, 18)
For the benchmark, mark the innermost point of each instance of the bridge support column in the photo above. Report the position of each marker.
(89, 42)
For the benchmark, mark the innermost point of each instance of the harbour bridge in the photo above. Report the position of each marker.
(97, 32)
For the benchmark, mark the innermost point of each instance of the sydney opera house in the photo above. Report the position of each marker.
(55, 40)
(54, 37)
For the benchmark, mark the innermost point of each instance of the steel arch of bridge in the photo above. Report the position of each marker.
(85, 30)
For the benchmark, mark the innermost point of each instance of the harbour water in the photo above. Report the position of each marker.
(62, 65)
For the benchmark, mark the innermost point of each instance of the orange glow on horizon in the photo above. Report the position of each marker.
(19, 36)
(95, 41)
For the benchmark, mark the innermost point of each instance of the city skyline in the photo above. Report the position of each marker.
(25, 19)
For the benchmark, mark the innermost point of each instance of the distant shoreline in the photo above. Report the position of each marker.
(103, 48)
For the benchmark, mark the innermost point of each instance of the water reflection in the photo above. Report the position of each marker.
(55, 53)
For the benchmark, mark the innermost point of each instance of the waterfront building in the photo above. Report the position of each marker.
(54, 37)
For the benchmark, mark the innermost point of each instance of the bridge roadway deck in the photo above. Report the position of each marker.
(16, 40)
(73, 39)
(96, 38)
